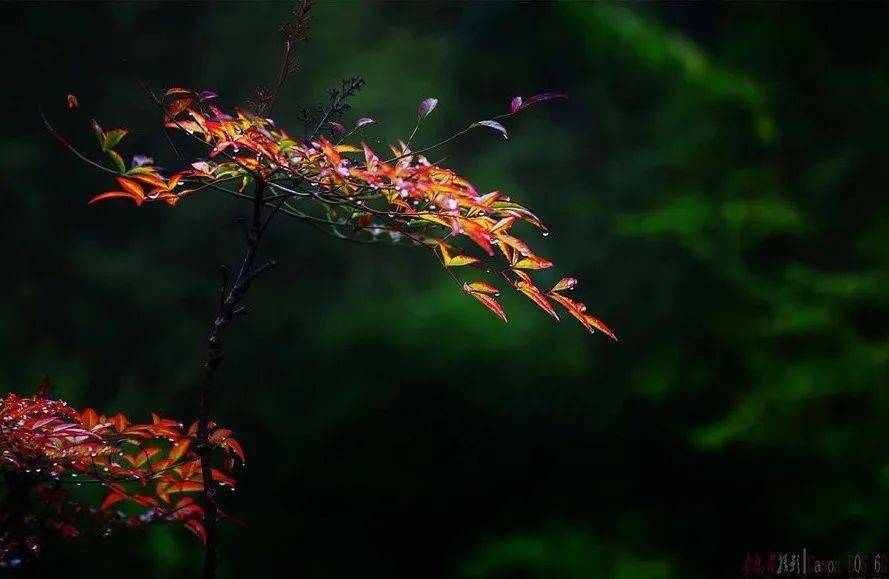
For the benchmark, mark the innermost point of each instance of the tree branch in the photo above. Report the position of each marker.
(230, 306)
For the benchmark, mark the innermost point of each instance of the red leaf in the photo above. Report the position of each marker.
(43, 422)
(197, 528)
(72, 101)
(69, 531)
(235, 447)
(112, 499)
(221, 477)
(89, 418)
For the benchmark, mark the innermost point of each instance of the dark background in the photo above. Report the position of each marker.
(716, 180)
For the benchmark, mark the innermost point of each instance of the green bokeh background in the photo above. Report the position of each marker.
(716, 180)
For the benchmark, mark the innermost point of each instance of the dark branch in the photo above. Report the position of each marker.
(231, 306)
(338, 104)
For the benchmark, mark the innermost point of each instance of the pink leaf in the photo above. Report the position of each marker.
(338, 127)
(365, 121)
(426, 107)
(515, 105)
(493, 125)
(545, 96)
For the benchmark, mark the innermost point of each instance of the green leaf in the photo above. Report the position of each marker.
(139, 170)
(112, 138)
(118, 161)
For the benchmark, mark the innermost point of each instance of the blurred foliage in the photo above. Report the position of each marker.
(718, 171)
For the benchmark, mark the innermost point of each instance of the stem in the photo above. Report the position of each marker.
(230, 305)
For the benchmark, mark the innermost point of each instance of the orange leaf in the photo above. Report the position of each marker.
(185, 486)
(537, 297)
(578, 310)
(566, 283)
(455, 260)
(177, 90)
(120, 422)
(220, 435)
(131, 187)
(515, 243)
(113, 195)
(599, 325)
(178, 105)
(179, 449)
(490, 303)
(143, 455)
(152, 179)
(503, 224)
(532, 262)
(480, 287)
